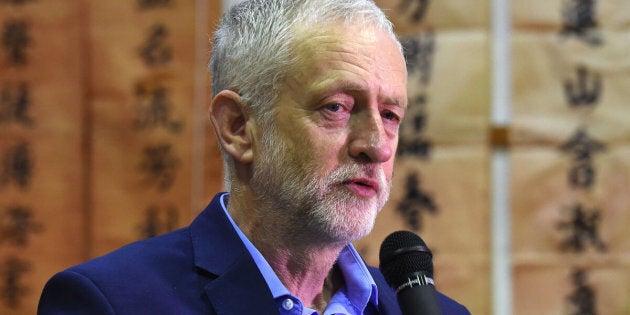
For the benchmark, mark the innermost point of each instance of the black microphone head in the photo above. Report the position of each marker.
(402, 254)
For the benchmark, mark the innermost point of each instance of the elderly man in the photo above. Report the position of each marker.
(307, 99)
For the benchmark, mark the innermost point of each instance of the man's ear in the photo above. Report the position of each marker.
(230, 119)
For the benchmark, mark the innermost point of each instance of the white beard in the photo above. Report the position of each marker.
(317, 207)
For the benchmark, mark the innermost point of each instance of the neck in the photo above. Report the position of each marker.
(301, 260)
(309, 274)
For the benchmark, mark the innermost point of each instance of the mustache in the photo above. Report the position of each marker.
(351, 171)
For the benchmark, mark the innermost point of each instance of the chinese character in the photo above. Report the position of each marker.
(582, 147)
(579, 20)
(155, 51)
(420, 10)
(16, 224)
(411, 141)
(17, 166)
(582, 299)
(419, 55)
(160, 166)
(11, 288)
(151, 4)
(158, 221)
(418, 146)
(154, 109)
(415, 202)
(14, 105)
(15, 40)
(582, 227)
(582, 175)
(584, 92)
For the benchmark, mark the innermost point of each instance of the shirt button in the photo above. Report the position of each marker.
(287, 304)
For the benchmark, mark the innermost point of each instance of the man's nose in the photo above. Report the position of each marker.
(369, 140)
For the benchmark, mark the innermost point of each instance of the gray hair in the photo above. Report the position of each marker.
(253, 45)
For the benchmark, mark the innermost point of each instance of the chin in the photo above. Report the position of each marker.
(352, 228)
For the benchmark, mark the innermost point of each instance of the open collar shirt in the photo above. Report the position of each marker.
(358, 295)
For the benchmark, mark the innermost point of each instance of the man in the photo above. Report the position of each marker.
(308, 97)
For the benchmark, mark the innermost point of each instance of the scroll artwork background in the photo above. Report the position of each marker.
(103, 141)
(103, 136)
(570, 157)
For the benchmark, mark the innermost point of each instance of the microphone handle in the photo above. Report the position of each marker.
(419, 300)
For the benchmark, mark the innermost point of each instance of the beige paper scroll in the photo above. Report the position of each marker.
(570, 87)
(87, 194)
(44, 217)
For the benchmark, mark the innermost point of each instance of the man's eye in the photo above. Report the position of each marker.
(334, 107)
(390, 116)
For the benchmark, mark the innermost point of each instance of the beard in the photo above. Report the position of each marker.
(308, 202)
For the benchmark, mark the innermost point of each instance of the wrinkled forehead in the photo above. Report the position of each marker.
(353, 57)
(308, 29)
(349, 41)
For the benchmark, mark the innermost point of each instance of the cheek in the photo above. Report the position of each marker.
(326, 145)
(389, 165)
(388, 168)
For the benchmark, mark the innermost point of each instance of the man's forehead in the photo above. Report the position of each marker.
(343, 62)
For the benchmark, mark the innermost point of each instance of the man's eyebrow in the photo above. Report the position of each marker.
(398, 101)
(341, 86)
(326, 89)
(350, 86)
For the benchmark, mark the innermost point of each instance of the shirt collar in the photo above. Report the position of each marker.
(360, 286)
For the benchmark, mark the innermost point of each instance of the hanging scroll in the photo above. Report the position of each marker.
(143, 57)
(570, 159)
(41, 174)
(102, 122)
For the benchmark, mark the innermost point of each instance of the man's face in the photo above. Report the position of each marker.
(326, 162)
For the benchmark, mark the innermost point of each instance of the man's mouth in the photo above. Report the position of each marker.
(363, 187)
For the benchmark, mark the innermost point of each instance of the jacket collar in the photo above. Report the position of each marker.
(238, 287)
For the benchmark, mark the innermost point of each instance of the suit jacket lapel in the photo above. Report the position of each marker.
(241, 290)
(239, 287)
(387, 300)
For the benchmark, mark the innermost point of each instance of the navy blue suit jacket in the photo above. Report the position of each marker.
(201, 269)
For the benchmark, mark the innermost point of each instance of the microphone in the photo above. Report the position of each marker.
(407, 265)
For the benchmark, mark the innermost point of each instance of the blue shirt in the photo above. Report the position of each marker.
(352, 298)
